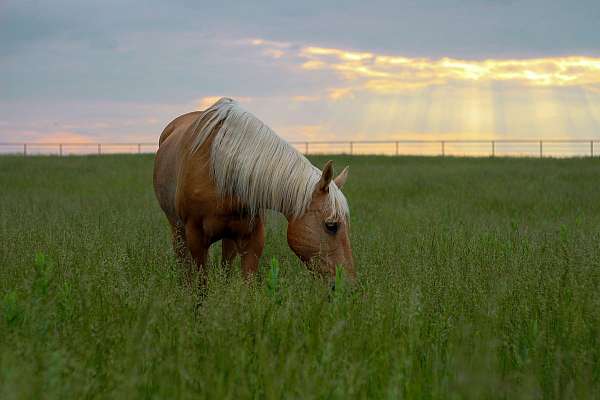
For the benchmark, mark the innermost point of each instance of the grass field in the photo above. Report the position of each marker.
(478, 278)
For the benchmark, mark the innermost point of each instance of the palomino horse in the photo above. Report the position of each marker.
(218, 170)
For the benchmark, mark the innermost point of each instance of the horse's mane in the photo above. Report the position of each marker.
(250, 161)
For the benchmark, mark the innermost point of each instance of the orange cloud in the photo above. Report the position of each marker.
(351, 56)
(464, 103)
(275, 53)
(313, 64)
(383, 73)
(269, 43)
(339, 93)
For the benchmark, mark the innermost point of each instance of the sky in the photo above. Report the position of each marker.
(119, 71)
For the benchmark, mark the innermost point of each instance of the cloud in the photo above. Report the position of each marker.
(390, 74)
(339, 93)
(269, 43)
(385, 73)
(306, 90)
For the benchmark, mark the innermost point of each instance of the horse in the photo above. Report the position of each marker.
(217, 171)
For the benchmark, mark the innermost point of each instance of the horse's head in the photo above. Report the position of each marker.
(319, 237)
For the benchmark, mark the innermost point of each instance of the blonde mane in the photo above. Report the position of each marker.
(250, 161)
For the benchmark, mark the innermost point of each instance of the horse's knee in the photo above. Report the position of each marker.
(178, 240)
(251, 249)
(229, 251)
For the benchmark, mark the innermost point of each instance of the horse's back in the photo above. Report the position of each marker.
(183, 122)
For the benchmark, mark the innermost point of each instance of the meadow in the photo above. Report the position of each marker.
(478, 278)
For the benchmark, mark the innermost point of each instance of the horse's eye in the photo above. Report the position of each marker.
(331, 227)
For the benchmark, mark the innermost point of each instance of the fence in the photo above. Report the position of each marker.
(76, 148)
(491, 148)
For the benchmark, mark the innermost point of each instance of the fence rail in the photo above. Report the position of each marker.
(349, 146)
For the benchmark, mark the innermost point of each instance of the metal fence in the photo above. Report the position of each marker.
(493, 148)
(76, 148)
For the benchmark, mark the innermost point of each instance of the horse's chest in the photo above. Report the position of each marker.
(218, 218)
(232, 226)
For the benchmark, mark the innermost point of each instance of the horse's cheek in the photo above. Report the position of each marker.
(303, 243)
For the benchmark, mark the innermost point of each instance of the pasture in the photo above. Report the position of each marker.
(478, 278)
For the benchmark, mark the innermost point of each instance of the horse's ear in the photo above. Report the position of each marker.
(326, 177)
(340, 180)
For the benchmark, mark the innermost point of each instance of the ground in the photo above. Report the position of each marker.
(478, 278)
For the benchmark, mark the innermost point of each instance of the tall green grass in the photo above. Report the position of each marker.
(478, 278)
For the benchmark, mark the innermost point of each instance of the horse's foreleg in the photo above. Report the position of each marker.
(251, 248)
(179, 242)
(198, 246)
(229, 251)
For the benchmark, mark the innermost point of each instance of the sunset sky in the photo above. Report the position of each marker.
(473, 69)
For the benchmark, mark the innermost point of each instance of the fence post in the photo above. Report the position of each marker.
(24, 149)
(396, 147)
(591, 148)
(306, 148)
(139, 148)
(99, 148)
(541, 149)
(443, 148)
(493, 148)
(351, 147)
(60, 149)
